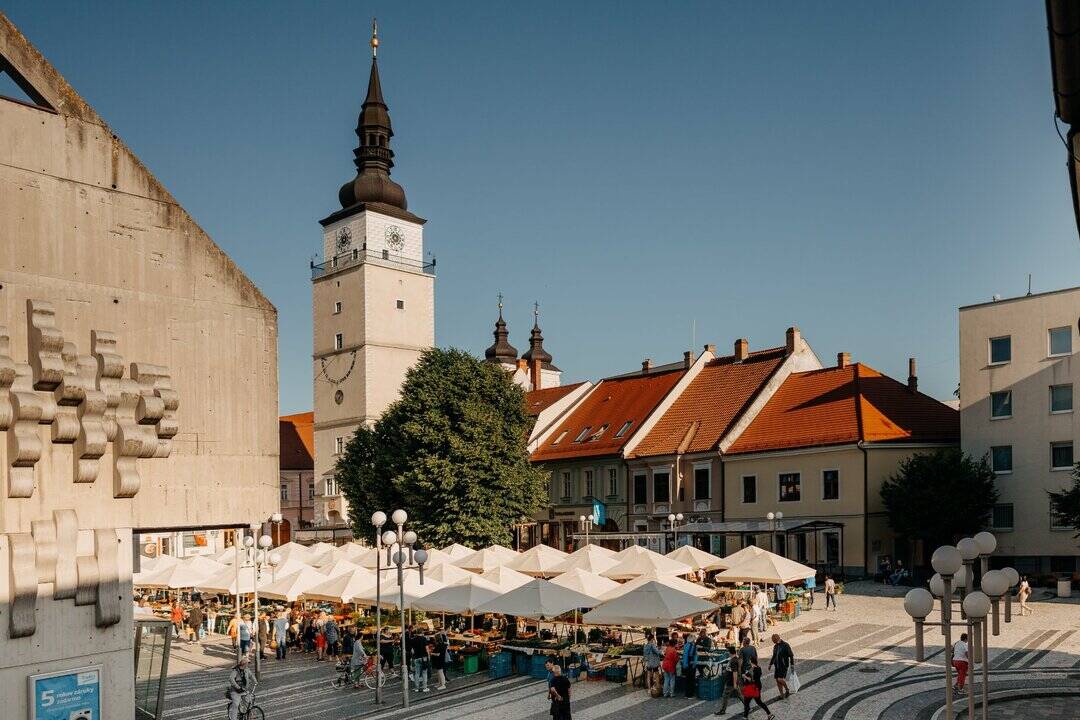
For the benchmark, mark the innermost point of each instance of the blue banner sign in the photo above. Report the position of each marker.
(66, 695)
(599, 511)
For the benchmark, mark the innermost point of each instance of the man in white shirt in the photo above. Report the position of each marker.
(761, 600)
(960, 661)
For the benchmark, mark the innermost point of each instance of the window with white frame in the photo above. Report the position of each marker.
(1000, 350)
(284, 492)
(749, 488)
(1061, 398)
(702, 482)
(311, 491)
(1061, 456)
(567, 485)
(339, 444)
(581, 435)
(790, 487)
(1001, 460)
(339, 341)
(661, 486)
(587, 483)
(1001, 404)
(830, 484)
(331, 486)
(1002, 518)
(612, 482)
(1059, 341)
(337, 307)
(625, 426)
(596, 435)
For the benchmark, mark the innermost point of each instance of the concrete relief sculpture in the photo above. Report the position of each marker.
(88, 403)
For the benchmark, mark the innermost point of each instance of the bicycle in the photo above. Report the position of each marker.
(366, 675)
(248, 710)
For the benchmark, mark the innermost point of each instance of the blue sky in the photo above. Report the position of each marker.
(859, 169)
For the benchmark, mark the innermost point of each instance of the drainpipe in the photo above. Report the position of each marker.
(723, 489)
(866, 504)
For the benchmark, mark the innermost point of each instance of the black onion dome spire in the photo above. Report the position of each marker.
(502, 350)
(536, 343)
(373, 156)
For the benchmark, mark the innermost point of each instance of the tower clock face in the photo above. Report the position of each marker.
(395, 239)
(344, 239)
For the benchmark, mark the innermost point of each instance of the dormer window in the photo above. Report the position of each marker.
(596, 435)
(624, 428)
(583, 434)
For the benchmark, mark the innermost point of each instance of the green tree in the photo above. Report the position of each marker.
(1066, 504)
(452, 451)
(940, 496)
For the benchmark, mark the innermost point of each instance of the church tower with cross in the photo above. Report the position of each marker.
(373, 299)
(534, 370)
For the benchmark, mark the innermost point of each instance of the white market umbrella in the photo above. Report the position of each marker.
(290, 587)
(390, 592)
(590, 558)
(341, 588)
(506, 578)
(225, 556)
(330, 557)
(435, 558)
(461, 598)
(355, 550)
(586, 583)
(697, 559)
(653, 604)
(152, 566)
(539, 561)
(458, 551)
(490, 557)
(631, 551)
(644, 563)
(767, 568)
(321, 547)
(290, 551)
(540, 599)
(187, 573)
(739, 556)
(447, 574)
(338, 567)
(671, 581)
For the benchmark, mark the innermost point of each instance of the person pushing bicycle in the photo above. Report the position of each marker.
(242, 683)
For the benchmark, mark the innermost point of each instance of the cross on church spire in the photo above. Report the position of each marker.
(374, 38)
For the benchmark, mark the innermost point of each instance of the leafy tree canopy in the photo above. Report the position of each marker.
(1066, 504)
(452, 451)
(939, 497)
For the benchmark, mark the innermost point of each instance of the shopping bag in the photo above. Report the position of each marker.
(793, 681)
(751, 691)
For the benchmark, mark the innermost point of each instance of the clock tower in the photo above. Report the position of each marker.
(373, 299)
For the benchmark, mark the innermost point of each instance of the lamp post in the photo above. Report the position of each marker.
(955, 566)
(775, 518)
(674, 518)
(587, 521)
(276, 520)
(378, 519)
(257, 559)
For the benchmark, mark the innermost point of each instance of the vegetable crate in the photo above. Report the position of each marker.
(537, 669)
(710, 688)
(499, 665)
(616, 673)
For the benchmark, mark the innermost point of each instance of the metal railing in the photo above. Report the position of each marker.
(359, 257)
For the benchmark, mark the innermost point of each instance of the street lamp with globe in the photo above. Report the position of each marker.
(587, 522)
(673, 520)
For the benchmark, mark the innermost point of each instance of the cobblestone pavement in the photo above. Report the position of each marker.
(855, 664)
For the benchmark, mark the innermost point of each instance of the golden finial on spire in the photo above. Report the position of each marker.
(374, 37)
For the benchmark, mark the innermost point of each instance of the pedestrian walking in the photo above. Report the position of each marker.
(440, 659)
(652, 657)
(960, 661)
(559, 692)
(747, 653)
(176, 615)
(782, 662)
(1023, 592)
(263, 634)
(761, 599)
(233, 631)
(688, 663)
(320, 644)
(669, 665)
(830, 593)
(281, 635)
(195, 622)
(811, 585)
(751, 689)
(333, 636)
(417, 646)
(731, 679)
(243, 632)
(745, 620)
(756, 618)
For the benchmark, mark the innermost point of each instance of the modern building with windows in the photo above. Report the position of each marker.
(1017, 408)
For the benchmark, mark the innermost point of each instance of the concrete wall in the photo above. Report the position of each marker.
(85, 226)
(1032, 427)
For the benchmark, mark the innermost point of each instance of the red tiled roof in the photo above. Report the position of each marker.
(708, 406)
(836, 406)
(297, 441)
(612, 402)
(537, 401)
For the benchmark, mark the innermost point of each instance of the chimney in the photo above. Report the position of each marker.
(742, 349)
(710, 348)
(912, 376)
(646, 366)
(794, 339)
(535, 373)
(843, 359)
(688, 359)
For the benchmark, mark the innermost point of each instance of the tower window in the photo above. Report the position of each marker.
(337, 307)
(400, 304)
(339, 341)
(339, 445)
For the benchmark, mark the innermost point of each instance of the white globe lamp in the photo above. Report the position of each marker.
(969, 549)
(986, 541)
(399, 517)
(937, 586)
(389, 537)
(946, 560)
(1011, 575)
(420, 556)
(378, 518)
(994, 583)
(918, 603)
(976, 605)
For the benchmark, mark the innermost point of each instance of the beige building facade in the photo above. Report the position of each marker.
(1018, 371)
(138, 384)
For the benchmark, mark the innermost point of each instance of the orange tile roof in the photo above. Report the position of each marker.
(537, 401)
(708, 406)
(296, 435)
(836, 406)
(612, 402)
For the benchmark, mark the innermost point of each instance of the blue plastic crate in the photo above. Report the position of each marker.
(710, 688)
(499, 665)
(616, 673)
(537, 669)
